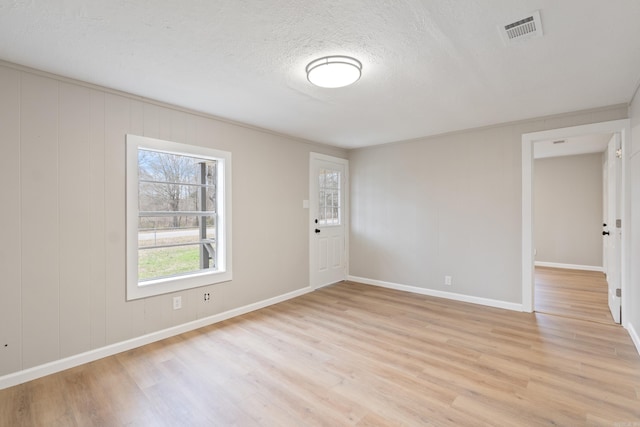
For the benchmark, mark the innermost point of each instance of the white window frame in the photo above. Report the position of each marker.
(223, 272)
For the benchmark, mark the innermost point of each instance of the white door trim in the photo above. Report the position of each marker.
(346, 212)
(528, 139)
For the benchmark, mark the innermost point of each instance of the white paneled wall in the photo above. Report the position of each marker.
(62, 222)
(74, 223)
(10, 246)
(97, 215)
(39, 219)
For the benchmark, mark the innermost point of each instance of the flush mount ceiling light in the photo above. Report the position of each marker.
(334, 71)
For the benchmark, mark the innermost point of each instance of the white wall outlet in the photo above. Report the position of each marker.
(207, 296)
(447, 280)
(177, 303)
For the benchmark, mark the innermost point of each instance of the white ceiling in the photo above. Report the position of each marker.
(429, 67)
(584, 144)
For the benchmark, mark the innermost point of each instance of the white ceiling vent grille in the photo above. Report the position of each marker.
(522, 29)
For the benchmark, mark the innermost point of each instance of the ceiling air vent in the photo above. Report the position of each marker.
(522, 29)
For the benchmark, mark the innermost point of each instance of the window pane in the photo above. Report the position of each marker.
(163, 197)
(173, 239)
(164, 262)
(177, 168)
(158, 231)
(329, 197)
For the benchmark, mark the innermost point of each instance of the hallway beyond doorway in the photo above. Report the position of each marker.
(572, 293)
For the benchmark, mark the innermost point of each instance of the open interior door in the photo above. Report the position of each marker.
(613, 231)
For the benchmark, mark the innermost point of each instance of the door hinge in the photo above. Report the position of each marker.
(618, 223)
(619, 153)
(619, 293)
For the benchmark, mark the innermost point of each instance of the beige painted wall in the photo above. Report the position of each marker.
(62, 251)
(447, 205)
(568, 209)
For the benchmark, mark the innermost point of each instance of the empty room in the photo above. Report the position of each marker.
(287, 213)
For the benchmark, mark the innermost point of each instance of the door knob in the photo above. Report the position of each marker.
(605, 233)
(317, 230)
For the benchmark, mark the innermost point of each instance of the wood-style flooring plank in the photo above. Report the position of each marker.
(572, 293)
(353, 355)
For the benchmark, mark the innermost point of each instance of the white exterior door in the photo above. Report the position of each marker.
(328, 217)
(613, 230)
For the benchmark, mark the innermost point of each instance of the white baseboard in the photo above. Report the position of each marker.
(440, 294)
(569, 266)
(29, 374)
(634, 336)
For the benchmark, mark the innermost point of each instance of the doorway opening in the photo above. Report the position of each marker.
(529, 141)
(569, 210)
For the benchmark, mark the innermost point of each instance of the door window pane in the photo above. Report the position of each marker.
(329, 197)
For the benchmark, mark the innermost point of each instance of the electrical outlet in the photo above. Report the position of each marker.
(177, 303)
(447, 280)
(207, 296)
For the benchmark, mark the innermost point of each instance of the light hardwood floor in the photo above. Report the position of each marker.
(572, 293)
(352, 354)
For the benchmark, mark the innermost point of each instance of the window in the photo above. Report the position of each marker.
(329, 197)
(178, 216)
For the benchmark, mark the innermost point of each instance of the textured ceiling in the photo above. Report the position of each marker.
(429, 67)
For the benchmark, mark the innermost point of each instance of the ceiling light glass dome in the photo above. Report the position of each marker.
(334, 71)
